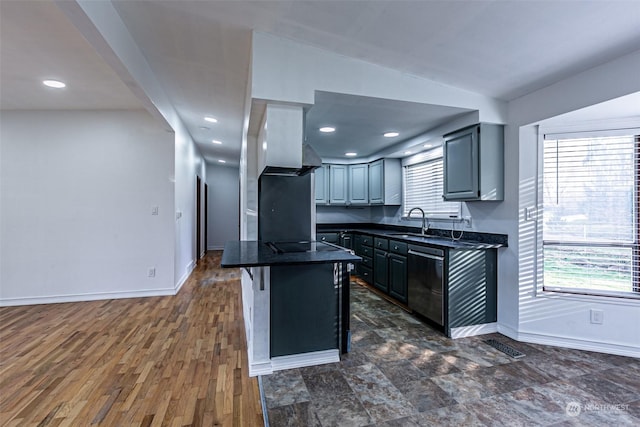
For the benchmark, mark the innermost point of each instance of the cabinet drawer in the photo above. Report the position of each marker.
(367, 240)
(366, 251)
(367, 261)
(327, 237)
(380, 243)
(398, 247)
(366, 274)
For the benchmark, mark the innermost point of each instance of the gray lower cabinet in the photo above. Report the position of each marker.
(303, 309)
(453, 287)
(338, 180)
(381, 270)
(346, 240)
(362, 247)
(359, 184)
(471, 296)
(474, 163)
(398, 270)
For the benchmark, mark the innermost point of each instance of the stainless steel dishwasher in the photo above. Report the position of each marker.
(426, 282)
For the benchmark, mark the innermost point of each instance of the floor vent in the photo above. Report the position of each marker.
(506, 349)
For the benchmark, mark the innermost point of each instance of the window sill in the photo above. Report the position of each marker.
(630, 300)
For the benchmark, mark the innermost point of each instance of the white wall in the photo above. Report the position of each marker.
(224, 203)
(564, 320)
(76, 200)
(188, 165)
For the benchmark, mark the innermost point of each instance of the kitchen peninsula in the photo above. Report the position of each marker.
(298, 310)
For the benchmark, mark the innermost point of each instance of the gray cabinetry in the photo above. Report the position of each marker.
(474, 163)
(453, 287)
(338, 179)
(385, 182)
(376, 183)
(322, 184)
(398, 270)
(359, 184)
(328, 237)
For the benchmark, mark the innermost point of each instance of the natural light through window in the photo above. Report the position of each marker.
(423, 187)
(590, 213)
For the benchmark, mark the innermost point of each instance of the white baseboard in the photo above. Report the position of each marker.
(567, 342)
(305, 359)
(295, 361)
(260, 368)
(473, 330)
(54, 299)
(579, 344)
(185, 276)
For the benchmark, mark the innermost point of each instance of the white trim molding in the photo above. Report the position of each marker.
(55, 299)
(185, 276)
(474, 330)
(577, 344)
(294, 361)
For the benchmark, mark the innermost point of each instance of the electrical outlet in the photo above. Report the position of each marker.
(154, 210)
(151, 272)
(466, 221)
(597, 316)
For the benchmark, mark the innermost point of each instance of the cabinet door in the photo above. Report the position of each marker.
(346, 241)
(338, 184)
(380, 270)
(398, 277)
(461, 165)
(376, 182)
(359, 184)
(322, 184)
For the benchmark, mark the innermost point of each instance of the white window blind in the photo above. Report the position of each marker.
(423, 188)
(590, 211)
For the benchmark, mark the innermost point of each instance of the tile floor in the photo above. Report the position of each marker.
(400, 372)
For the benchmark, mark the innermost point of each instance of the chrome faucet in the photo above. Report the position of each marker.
(423, 229)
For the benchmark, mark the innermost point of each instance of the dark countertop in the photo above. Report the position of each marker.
(252, 253)
(442, 239)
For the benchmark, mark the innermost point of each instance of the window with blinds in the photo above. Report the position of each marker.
(423, 188)
(590, 213)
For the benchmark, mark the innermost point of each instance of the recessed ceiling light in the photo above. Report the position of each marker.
(428, 145)
(222, 161)
(210, 120)
(407, 152)
(391, 134)
(327, 129)
(54, 83)
(350, 154)
(204, 128)
(215, 141)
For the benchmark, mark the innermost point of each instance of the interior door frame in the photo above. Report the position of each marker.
(198, 216)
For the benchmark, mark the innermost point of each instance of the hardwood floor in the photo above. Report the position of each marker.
(173, 361)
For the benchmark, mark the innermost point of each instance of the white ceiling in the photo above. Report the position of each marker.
(199, 50)
(38, 42)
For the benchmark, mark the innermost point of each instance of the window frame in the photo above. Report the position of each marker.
(432, 155)
(601, 128)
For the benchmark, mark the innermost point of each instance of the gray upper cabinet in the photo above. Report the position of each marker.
(385, 182)
(359, 184)
(322, 184)
(338, 180)
(375, 183)
(474, 163)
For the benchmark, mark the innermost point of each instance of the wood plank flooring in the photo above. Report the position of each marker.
(158, 361)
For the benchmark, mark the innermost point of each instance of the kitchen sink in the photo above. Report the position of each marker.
(405, 235)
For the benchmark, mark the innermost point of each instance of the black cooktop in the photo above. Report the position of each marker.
(305, 246)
